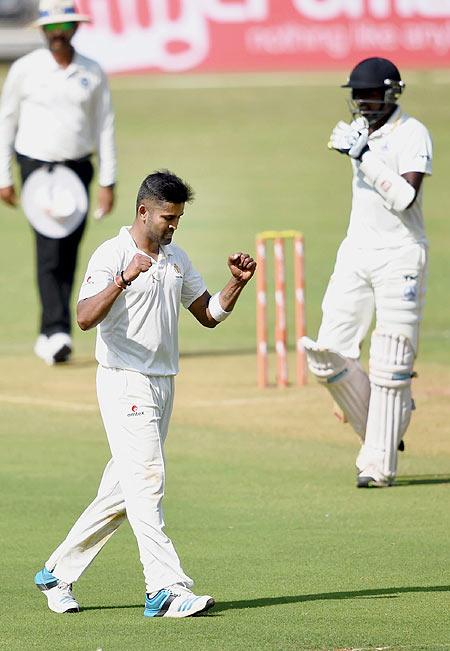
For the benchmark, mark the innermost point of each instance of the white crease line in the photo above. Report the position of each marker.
(269, 397)
(26, 401)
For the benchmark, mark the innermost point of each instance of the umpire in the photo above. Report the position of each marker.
(56, 108)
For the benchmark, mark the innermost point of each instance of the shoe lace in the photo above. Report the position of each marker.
(67, 587)
(178, 590)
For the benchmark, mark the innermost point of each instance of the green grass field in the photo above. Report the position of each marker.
(260, 502)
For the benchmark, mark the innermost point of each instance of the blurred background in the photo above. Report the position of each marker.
(239, 98)
(235, 35)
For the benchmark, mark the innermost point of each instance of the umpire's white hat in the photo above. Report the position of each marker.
(54, 200)
(59, 11)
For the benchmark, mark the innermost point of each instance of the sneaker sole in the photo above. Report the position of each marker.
(182, 615)
(201, 613)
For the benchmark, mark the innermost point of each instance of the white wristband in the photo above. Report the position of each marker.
(216, 310)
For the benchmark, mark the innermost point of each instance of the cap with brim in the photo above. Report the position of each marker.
(54, 201)
(59, 11)
(61, 18)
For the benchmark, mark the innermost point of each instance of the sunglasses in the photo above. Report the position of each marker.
(63, 27)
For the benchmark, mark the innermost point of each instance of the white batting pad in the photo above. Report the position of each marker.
(391, 366)
(345, 380)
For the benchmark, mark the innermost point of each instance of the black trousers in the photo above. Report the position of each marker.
(56, 258)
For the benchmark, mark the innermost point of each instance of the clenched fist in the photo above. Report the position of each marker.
(242, 266)
(138, 265)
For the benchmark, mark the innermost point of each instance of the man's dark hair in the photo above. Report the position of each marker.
(165, 187)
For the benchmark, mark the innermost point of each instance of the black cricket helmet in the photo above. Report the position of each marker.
(374, 73)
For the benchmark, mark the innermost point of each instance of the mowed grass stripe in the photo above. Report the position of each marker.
(26, 401)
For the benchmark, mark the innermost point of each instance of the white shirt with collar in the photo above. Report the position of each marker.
(404, 144)
(55, 114)
(140, 332)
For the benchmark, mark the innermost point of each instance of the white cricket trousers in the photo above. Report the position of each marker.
(136, 411)
(389, 282)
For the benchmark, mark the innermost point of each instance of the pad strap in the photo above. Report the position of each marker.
(394, 189)
(391, 360)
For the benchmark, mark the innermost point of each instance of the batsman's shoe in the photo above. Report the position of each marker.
(176, 601)
(59, 594)
(371, 478)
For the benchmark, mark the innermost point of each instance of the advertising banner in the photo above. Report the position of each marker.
(263, 35)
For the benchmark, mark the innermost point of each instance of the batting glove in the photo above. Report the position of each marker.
(350, 139)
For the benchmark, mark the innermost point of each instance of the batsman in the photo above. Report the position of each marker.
(380, 270)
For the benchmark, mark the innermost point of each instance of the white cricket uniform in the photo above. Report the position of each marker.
(381, 264)
(137, 351)
(71, 106)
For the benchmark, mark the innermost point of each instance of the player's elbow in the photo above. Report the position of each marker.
(83, 324)
(83, 320)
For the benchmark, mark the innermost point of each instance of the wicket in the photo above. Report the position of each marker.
(279, 238)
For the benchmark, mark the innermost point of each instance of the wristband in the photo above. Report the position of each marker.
(118, 284)
(127, 282)
(216, 310)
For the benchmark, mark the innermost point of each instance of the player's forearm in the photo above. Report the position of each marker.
(91, 311)
(395, 190)
(230, 294)
(211, 310)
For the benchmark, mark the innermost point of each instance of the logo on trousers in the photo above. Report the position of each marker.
(135, 411)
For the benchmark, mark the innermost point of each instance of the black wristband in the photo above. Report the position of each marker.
(127, 282)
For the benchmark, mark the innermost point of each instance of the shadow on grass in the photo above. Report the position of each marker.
(263, 602)
(325, 596)
(416, 480)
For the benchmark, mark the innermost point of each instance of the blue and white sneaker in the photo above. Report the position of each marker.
(176, 601)
(59, 594)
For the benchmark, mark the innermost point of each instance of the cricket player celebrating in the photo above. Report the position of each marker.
(380, 267)
(132, 292)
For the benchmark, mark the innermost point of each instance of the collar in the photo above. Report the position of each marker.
(396, 118)
(127, 240)
(73, 67)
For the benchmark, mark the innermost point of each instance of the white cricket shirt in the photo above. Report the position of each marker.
(55, 114)
(140, 332)
(404, 144)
